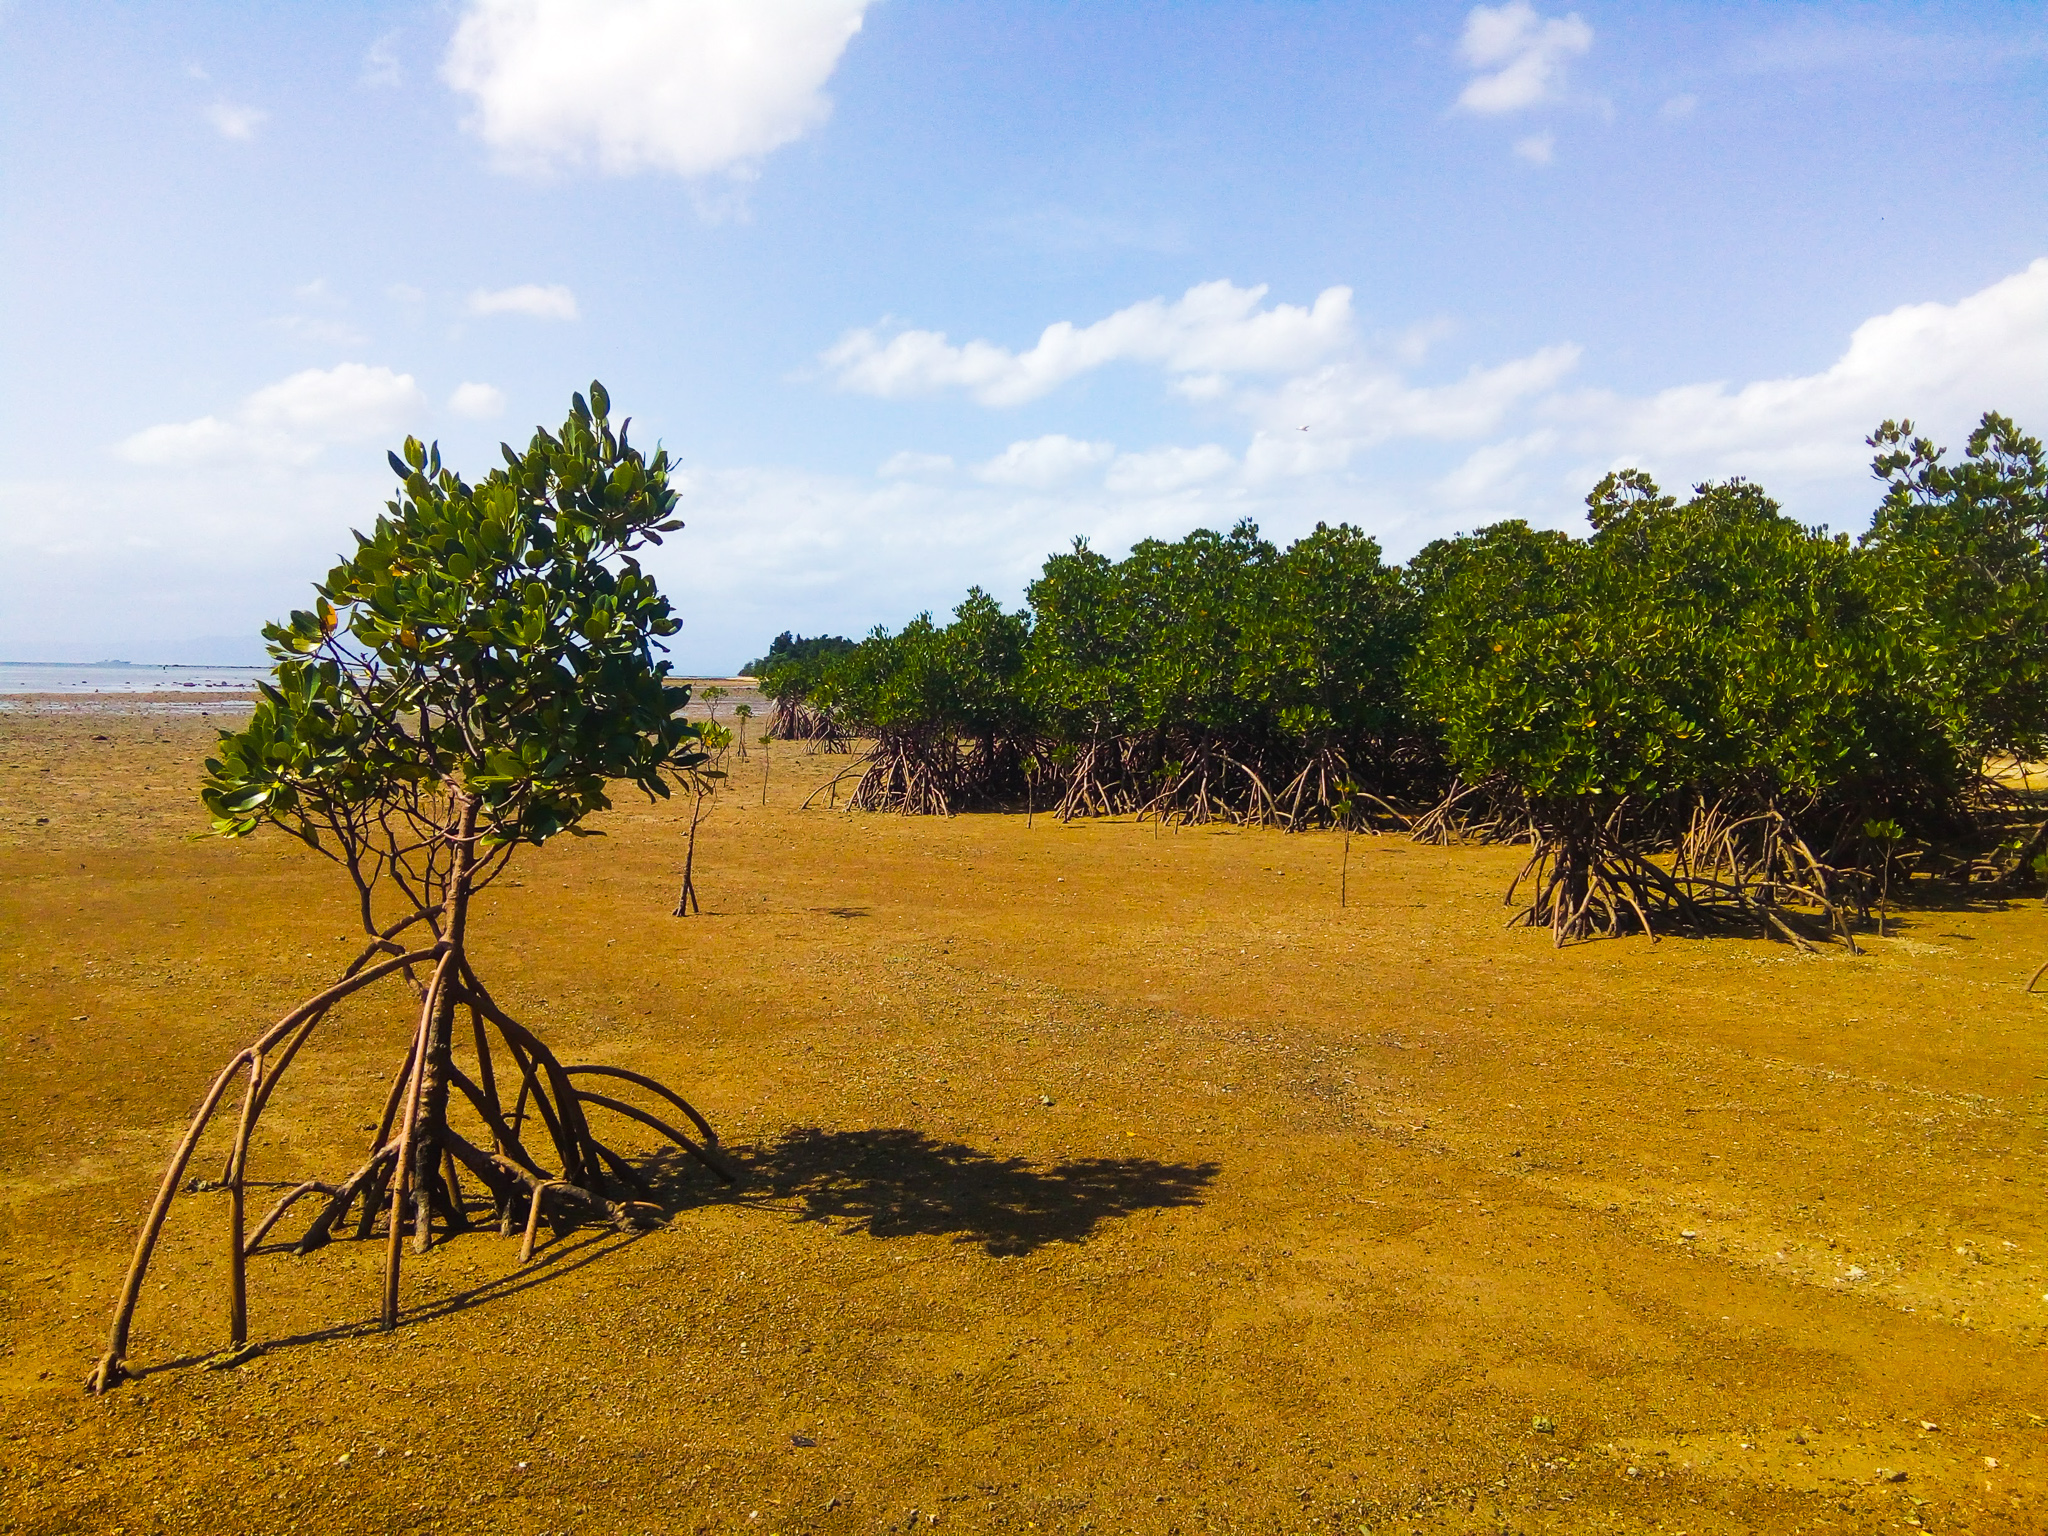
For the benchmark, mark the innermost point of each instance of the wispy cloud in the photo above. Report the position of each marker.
(1162, 471)
(910, 465)
(1325, 419)
(1042, 462)
(1212, 331)
(1808, 41)
(381, 68)
(322, 330)
(479, 402)
(236, 122)
(1520, 56)
(1065, 231)
(537, 301)
(1537, 148)
(289, 422)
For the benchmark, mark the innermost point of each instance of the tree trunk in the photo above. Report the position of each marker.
(429, 1145)
(412, 1160)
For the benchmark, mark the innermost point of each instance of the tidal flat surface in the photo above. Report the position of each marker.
(1098, 1178)
(50, 677)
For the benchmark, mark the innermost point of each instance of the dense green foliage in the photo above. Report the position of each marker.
(787, 650)
(1705, 676)
(496, 638)
(1219, 672)
(789, 675)
(1192, 678)
(1713, 645)
(1965, 556)
(1772, 706)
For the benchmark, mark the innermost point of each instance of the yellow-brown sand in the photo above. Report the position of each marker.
(1100, 1179)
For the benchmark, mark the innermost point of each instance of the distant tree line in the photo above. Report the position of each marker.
(1701, 709)
(788, 675)
(787, 649)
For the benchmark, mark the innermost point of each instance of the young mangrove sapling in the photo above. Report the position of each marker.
(471, 680)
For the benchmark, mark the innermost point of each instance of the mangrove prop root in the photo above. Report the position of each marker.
(409, 1177)
(318, 1235)
(401, 1172)
(276, 1213)
(111, 1369)
(238, 1287)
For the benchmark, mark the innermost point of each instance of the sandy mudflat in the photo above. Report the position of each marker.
(222, 701)
(1099, 1179)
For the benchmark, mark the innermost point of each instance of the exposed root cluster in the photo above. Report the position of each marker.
(541, 1156)
(1186, 783)
(1473, 813)
(792, 719)
(914, 774)
(1586, 878)
(1591, 874)
(1758, 864)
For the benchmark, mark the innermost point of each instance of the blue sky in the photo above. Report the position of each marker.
(918, 292)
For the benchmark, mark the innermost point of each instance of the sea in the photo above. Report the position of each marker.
(124, 677)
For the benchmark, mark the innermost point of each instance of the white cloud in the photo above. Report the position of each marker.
(321, 330)
(235, 122)
(1405, 447)
(1521, 56)
(1406, 453)
(1413, 343)
(633, 85)
(1161, 471)
(1212, 330)
(908, 465)
(1942, 364)
(1491, 478)
(326, 330)
(1678, 107)
(1354, 405)
(552, 302)
(288, 422)
(1041, 462)
(174, 443)
(1537, 148)
(405, 293)
(848, 552)
(349, 401)
(479, 402)
(381, 69)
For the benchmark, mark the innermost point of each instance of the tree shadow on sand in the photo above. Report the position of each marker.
(899, 1182)
(886, 1183)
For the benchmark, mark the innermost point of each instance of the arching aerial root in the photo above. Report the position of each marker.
(1592, 875)
(794, 720)
(409, 1175)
